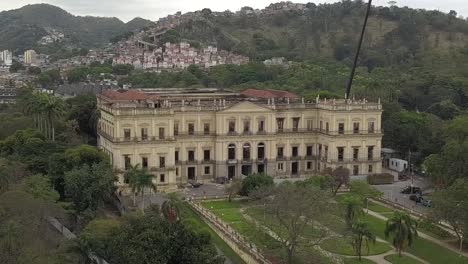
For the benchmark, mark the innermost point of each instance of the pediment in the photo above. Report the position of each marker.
(246, 107)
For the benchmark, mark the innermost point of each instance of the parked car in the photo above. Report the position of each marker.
(411, 190)
(416, 197)
(426, 203)
(196, 184)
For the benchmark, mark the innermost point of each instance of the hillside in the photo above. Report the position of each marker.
(20, 29)
(327, 30)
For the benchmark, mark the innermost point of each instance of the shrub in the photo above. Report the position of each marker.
(255, 182)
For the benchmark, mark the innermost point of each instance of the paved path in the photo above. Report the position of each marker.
(425, 236)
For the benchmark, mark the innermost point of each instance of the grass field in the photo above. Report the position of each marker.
(421, 248)
(395, 259)
(356, 261)
(188, 213)
(343, 246)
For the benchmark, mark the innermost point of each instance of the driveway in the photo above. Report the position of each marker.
(392, 193)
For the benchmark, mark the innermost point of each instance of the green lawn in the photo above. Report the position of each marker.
(395, 259)
(188, 213)
(356, 261)
(421, 248)
(378, 208)
(343, 246)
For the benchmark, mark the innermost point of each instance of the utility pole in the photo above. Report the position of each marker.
(353, 70)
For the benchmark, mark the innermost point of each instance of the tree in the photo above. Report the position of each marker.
(450, 205)
(360, 232)
(16, 67)
(364, 191)
(255, 181)
(340, 177)
(149, 238)
(138, 180)
(402, 229)
(353, 209)
(294, 217)
(170, 208)
(40, 187)
(233, 188)
(88, 187)
(10, 242)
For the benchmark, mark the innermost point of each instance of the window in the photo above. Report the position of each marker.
(161, 133)
(261, 126)
(177, 171)
(232, 126)
(327, 127)
(309, 165)
(309, 151)
(356, 128)
(191, 155)
(162, 162)
(370, 169)
(176, 155)
(280, 124)
(127, 162)
(231, 152)
(355, 154)
(309, 124)
(127, 132)
(144, 162)
(340, 153)
(144, 133)
(370, 152)
(326, 152)
(261, 151)
(320, 150)
(295, 151)
(280, 166)
(355, 170)
(280, 153)
(246, 126)
(207, 169)
(295, 123)
(191, 128)
(370, 128)
(162, 178)
(246, 151)
(341, 128)
(206, 128)
(176, 129)
(206, 155)
(321, 125)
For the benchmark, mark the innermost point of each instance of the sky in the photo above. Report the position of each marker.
(154, 9)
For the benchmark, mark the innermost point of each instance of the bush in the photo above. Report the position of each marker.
(383, 178)
(255, 182)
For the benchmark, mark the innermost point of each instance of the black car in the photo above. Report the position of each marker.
(196, 184)
(411, 190)
(417, 198)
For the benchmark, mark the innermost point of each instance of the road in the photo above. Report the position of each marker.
(392, 193)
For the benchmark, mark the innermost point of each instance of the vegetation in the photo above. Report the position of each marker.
(402, 229)
(138, 180)
(395, 259)
(255, 182)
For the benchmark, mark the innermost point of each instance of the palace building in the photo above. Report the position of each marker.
(182, 135)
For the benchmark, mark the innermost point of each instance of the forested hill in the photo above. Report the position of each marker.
(394, 33)
(20, 29)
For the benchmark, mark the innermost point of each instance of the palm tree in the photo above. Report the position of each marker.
(138, 180)
(171, 208)
(360, 232)
(403, 229)
(353, 209)
(53, 108)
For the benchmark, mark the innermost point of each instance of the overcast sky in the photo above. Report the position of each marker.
(154, 9)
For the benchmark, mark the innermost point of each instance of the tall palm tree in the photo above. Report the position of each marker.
(53, 108)
(139, 180)
(353, 209)
(360, 233)
(403, 229)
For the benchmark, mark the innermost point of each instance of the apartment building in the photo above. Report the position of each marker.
(183, 135)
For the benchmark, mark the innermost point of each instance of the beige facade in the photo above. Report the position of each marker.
(202, 137)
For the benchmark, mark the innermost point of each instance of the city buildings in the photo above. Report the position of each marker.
(30, 57)
(6, 58)
(183, 135)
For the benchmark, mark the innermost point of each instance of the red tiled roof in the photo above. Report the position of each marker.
(124, 95)
(268, 94)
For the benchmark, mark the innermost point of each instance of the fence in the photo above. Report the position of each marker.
(244, 248)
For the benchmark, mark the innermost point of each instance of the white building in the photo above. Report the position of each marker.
(6, 58)
(30, 57)
(398, 165)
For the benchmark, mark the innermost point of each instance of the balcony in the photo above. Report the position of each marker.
(352, 160)
(231, 161)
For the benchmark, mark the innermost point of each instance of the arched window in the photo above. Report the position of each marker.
(246, 151)
(261, 151)
(231, 151)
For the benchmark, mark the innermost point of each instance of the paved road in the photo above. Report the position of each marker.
(392, 193)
